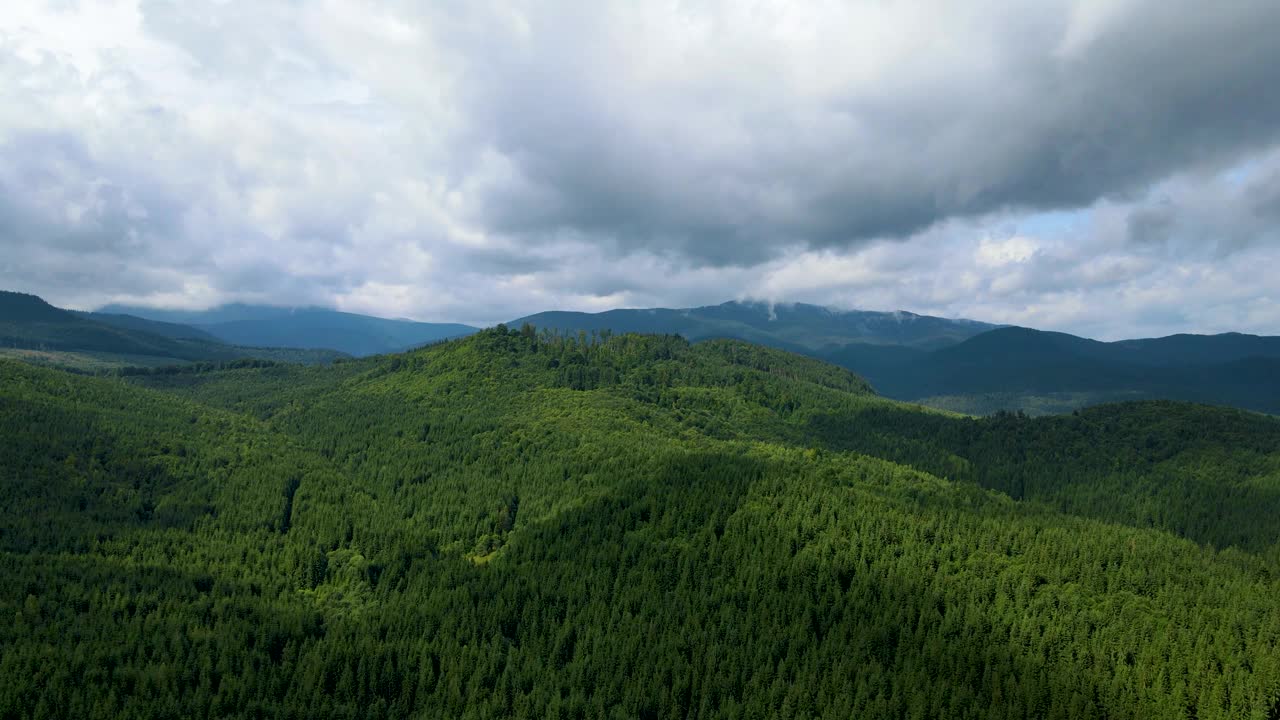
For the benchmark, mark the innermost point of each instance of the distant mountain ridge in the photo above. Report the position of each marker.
(28, 322)
(1024, 369)
(957, 364)
(164, 329)
(793, 326)
(31, 327)
(305, 327)
(972, 366)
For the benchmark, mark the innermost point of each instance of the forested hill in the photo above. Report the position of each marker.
(34, 330)
(523, 525)
(976, 367)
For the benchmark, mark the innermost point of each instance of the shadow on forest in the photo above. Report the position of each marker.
(1134, 464)
(83, 487)
(648, 581)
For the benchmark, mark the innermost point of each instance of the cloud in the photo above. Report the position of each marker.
(834, 126)
(1001, 253)
(477, 161)
(1220, 213)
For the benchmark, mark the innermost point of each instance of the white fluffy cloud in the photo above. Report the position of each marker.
(1099, 167)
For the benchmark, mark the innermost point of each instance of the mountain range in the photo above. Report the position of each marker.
(796, 326)
(32, 329)
(956, 364)
(976, 367)
(305, 327)
(1043, 372)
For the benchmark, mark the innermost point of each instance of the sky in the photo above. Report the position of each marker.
(1109, 168)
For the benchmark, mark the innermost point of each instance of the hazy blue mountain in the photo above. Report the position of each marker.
(155, 327)
(1023, 369)
(797, 326)
(33, 329)
(221, 314)
(1174, 350)
(28, 322)
(308, 327)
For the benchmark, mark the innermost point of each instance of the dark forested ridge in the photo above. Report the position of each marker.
(520, 524)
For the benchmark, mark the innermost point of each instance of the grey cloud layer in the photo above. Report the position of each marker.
(1223, 215)
(476, 161)
(1036, 107)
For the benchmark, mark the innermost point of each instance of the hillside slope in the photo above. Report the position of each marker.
(518, 525)
(732, 390)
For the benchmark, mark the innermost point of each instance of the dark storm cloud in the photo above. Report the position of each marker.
(1055, 116)
(1219, 213)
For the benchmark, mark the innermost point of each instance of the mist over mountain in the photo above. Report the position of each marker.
(787, 325)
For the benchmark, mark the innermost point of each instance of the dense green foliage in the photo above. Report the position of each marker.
(520, 524)
(1208, 474)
